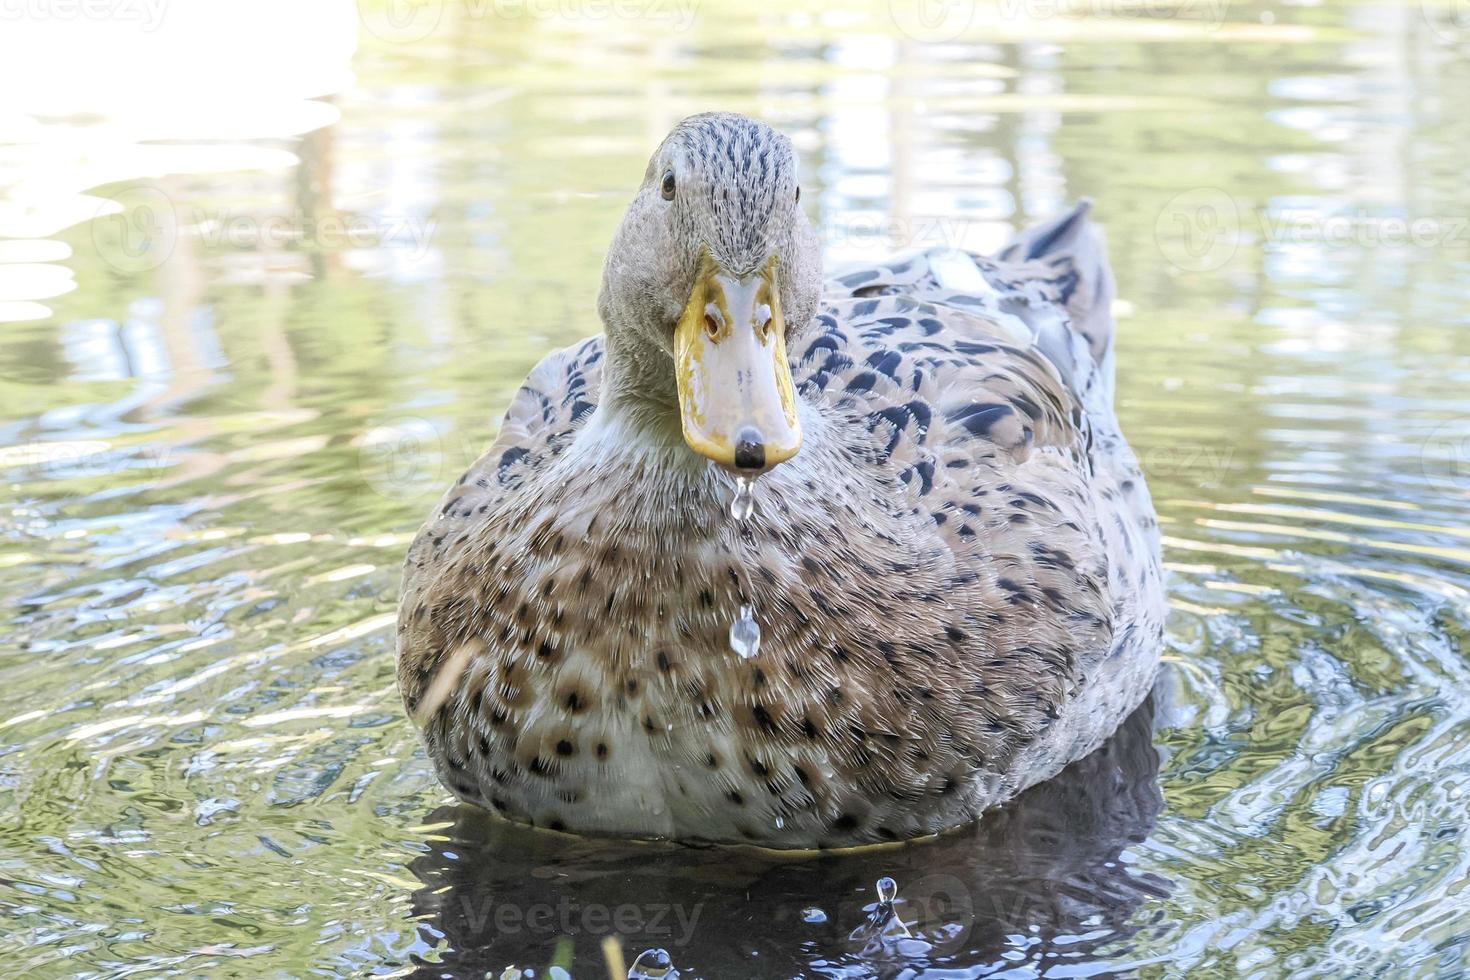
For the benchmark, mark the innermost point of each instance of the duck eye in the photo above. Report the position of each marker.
(668, 185)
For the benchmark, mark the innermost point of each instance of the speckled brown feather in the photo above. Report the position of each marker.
(957, 578)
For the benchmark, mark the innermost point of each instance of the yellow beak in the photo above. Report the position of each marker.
(736, 395)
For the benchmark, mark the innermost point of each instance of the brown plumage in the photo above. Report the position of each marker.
(957, 576)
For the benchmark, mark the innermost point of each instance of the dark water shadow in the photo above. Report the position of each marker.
(1039, 881)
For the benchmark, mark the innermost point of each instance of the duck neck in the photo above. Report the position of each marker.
(638, 387)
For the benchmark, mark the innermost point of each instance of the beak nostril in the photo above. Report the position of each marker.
(763, 320)
(714, 320)
(750, 450)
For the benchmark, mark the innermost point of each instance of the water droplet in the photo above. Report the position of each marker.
(745, 634)
(813, 915)
(742, 505)
(653, 964)
(883, 926)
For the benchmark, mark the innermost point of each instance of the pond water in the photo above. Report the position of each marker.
(270, 271)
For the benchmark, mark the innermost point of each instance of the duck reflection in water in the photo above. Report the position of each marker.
(1041, 879)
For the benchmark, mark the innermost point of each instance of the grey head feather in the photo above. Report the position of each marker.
(736, 184)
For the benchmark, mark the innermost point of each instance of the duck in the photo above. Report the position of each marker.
(785, 559)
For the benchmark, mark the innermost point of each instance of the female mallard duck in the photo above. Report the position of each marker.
(953, 558)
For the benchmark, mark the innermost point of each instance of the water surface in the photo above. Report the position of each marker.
(268, 277)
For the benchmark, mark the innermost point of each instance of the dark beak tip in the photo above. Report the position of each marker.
(750, 450)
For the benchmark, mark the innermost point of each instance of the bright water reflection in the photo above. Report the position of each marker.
(269, 275)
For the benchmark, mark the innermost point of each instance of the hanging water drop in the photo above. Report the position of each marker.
(745, 634)
(742, 505)
(887, 889)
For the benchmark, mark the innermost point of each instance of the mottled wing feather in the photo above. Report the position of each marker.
(985, 434)
(557, 396)
(1051, 288)
(988, 386)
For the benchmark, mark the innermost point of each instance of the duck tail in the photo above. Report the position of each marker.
(1075, 257)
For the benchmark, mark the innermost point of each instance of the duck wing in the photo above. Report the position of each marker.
(986, 385)
(556, 397)
(1050, 289)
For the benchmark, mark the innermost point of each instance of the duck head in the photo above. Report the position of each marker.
(712, 269)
